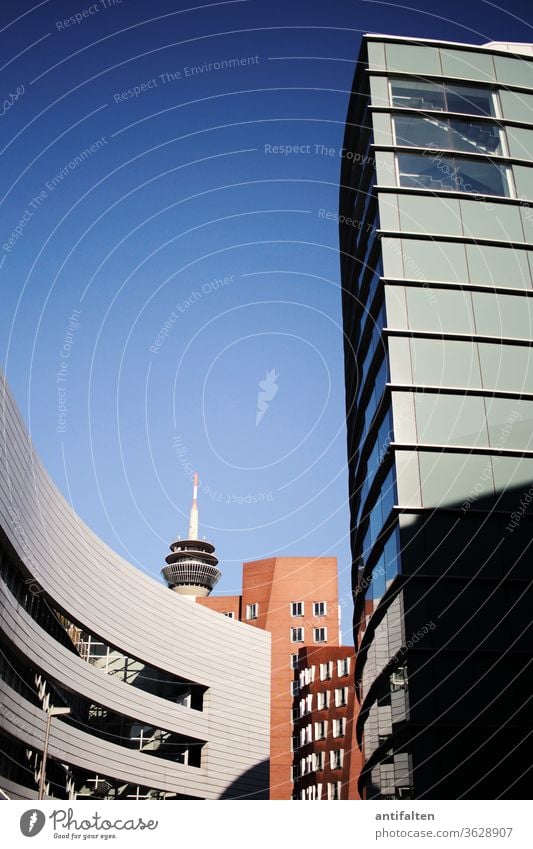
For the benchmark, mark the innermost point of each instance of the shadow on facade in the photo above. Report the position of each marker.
(450, 715)
(257, 775)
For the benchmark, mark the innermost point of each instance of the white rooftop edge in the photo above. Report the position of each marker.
(516, 47)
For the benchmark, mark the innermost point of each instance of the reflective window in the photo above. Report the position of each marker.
(453, 173)
(448, 134)
(384, 571)
(418, 95)
(415, 94)
(378, 453)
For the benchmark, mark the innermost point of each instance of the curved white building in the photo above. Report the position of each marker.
(167, 699)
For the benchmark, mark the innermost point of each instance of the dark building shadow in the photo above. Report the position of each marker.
(257, 775)
(460, 689)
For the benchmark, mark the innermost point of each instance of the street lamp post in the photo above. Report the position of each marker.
(51, 711)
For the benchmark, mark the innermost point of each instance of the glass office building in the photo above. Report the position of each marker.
(436, 238)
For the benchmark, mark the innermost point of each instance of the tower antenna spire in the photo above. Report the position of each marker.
(193, 521)
(191, 568)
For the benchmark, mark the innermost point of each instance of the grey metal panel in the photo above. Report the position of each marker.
(120, 604)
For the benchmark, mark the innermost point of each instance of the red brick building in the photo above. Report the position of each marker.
(326, 758)
(296, 599)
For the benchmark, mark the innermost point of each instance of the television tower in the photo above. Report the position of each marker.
(191, 567)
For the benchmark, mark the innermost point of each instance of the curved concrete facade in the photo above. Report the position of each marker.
(87, 582)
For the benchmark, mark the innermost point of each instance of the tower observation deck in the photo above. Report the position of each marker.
(191, 568)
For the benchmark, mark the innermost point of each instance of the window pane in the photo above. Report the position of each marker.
(417, 95)
(475, 176)
(469, 99)
(426, 172)
(447, 134)
(475, 136)
(480, 176)
(417, 131)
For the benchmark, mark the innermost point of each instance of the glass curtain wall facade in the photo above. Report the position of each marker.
(436, 239)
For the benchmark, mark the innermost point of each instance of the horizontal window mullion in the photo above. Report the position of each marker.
(460, 390)
(462, 449)
(468, 240)
(459, 337)
(452, 152)
(463, 286)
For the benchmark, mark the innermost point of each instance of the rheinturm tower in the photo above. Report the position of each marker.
(191, 568)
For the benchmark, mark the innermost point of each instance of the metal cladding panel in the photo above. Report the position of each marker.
(120, 604)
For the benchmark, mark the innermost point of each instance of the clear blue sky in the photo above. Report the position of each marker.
(175, 188)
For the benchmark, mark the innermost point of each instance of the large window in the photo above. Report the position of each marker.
(453, 173)
(415, 94)
(448, 134)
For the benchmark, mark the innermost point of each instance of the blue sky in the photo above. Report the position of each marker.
(165, 248)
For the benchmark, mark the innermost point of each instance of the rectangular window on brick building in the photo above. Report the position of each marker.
(321, 730)
(251, 611)
(339, 727)
(320, 635)
(326, 670)
(297, 608)
(334, 790)
(320, 608)
(336, 757)
(343, 667)
(297, 635)
(341, 697)
(323, 700)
